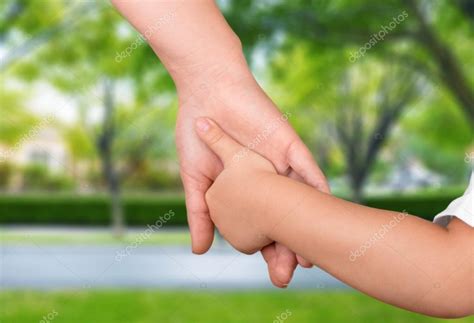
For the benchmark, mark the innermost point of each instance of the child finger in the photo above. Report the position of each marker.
(217, 140)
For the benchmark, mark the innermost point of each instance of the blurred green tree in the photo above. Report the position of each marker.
(76, 50)
(311, 43)
(352, 111)
(436, 38)
(15, 120)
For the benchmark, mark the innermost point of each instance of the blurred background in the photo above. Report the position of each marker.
(92, 216)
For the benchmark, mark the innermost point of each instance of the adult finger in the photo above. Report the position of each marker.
(302, 162)
(269, 254)
(281, 263)
(199, 221)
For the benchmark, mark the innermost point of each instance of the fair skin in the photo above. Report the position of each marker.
(204, 57)
(416, 264)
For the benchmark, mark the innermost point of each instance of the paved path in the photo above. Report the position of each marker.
(57, 267)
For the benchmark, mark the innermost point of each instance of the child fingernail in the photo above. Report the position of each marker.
(202, 124)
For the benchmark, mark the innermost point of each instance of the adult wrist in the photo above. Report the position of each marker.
(212, 73)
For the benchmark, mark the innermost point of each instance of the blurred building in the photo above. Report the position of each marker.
(409, 175)
(43, 147)
(47, 148)
(412, 175)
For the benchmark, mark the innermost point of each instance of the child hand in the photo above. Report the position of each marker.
(236, 195)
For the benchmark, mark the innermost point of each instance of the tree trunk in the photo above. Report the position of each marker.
(451, 73)
(361, 151)
(105, 147)
(357, 185)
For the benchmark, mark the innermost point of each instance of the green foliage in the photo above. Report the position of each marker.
(79, 143)
(304, 48)
(152, 180)
(38, 177)
(77, 48)
(311, 61)
(145, 132)
(6, 171)
(15, 120)
(34, 176)
(439, 135)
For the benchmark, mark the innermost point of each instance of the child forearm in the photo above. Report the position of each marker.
(398, 258)
(395, 257)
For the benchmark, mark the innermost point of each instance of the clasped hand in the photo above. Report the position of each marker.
(238, 197)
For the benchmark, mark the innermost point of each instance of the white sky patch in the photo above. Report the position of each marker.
(124, 30)
(46, 100)
(3, 52)
(124, 92)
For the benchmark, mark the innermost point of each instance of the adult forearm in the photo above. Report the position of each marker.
(395, 257)
(191, 38)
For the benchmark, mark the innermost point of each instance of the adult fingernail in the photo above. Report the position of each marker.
(202, 124)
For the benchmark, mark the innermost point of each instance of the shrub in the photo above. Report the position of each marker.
(38, 177)
(143, 210)
(424, 206)
(34, 176)
(153, 180)
(87, 210)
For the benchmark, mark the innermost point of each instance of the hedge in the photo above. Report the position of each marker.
(88, 210)
(423, 206)
(143, 210)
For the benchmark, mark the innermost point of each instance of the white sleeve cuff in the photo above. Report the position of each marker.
(461, 208)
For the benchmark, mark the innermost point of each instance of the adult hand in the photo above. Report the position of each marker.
(204, 57)
(240, 106)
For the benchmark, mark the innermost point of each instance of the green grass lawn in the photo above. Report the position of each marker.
(200, 306)
(93, 238)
